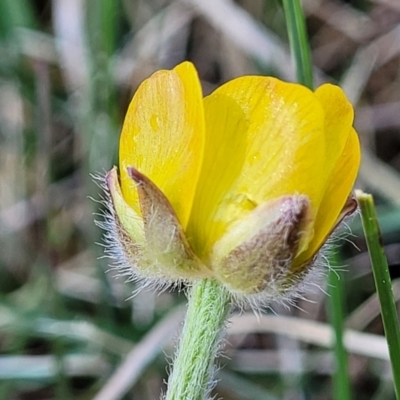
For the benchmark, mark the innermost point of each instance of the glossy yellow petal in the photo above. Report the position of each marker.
(341, 165)
(264, 140)
(223, 160)
(339, 117)
(163, 137)
(340, 183)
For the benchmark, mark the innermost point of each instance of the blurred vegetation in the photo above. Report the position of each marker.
(68, 68)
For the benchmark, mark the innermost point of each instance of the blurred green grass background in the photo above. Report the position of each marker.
(68, 68)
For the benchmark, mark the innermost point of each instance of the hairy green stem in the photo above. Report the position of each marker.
(208, 306)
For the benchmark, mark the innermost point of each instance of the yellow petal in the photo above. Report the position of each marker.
(339, 117)
(340, 183)
(341, 165)
(223, 160)
(264, 140)
(163, 137)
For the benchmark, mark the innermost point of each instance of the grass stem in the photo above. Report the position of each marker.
(298, 40)
(341, 381)
(383, 282)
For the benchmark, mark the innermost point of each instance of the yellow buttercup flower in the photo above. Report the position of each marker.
(244, 185)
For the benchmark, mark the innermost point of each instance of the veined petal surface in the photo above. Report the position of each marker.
(341, 181)
(224, 155)
(163, 137)
(264, 140)
(341, 166)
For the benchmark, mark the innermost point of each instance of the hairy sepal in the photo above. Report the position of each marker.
(153, 244)
(349, 208)
(166, 245)
(129, 219)
(255, 255)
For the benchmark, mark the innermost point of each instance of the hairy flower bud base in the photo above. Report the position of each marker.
(254, 256)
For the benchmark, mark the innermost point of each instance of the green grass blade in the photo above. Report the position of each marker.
(341, 382)
(298, 40)
(383, 283)
(102, 126)
(15, 14)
